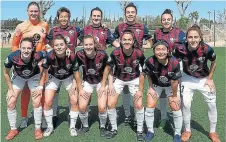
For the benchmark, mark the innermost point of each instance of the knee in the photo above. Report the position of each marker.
(111, 105)
(82, 108)
(11, 106)
(48, 104)
(101, 109)
(138, 106)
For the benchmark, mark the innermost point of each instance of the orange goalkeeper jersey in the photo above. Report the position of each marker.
(26, 29)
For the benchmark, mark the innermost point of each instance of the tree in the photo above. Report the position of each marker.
(55, 21)
(50, 21)
(123, 4)
(183, 23)
(194, 16)
(182, 6)
(221, 17)
(44, 5)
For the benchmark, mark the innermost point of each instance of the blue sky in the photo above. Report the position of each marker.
(17, 9)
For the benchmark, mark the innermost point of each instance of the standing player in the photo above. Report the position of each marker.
(102, 35)
(71, 34)
(37, 29)
(197, 76)
(93, 63)
(60, 69)
(141, 33)
(126, 62)
(163, 72)
(25, 62)
(171, 35)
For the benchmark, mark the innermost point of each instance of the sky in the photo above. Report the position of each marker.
(17, 9)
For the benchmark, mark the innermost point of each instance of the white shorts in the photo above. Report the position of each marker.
(190, 84)
(158, 90)
(133, 85)
(54, 83)
(89, 87)
(18, 82)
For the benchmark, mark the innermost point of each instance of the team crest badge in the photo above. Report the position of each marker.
(102, 33)
(136, 62)
(34, 63)
(201, 59)
(69, 66)
(172, 40)
(138, 31)
(97, 39)
(71, 32)
(67, 39)
(36, 37)
(98, 65)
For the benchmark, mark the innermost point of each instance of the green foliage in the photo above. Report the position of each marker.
(183, 23)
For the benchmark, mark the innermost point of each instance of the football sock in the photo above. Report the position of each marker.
(49, 117)
(113, 118)
(140, 119)
(177, 118)
(38, 117)
(12, 114)
(149, 118)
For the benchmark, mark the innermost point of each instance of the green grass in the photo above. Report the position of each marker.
(200, 124)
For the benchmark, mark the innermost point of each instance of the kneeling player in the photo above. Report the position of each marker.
(60, 69)
(25, 62)
(125, 62)
(93, 63)
(163, 73)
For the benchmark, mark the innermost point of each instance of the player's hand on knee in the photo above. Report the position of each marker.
(111, 90)
(175, 103)
(11, 97)
(83, 94)
(101, 91)
(210, 83)
(38, 92)
(152, 93)
(137, 96)
(72, 91)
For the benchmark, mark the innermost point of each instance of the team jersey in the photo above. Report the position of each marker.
(70, 33)
(175, 35)
(25, 69)
(93, 69)
(162, 75)
(195, 62)
(125, 67)
(102, 35)
(140, 31)
(60, 68)
(37, 32)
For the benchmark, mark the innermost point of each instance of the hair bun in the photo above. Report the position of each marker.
(167, 11)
